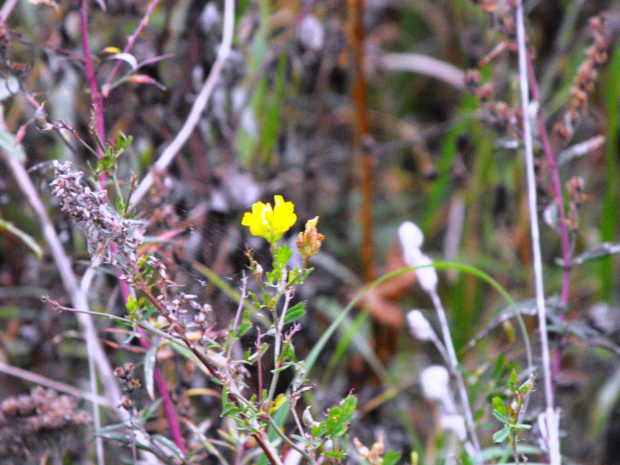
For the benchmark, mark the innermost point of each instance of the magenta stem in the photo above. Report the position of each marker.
(100, 130)
(130, 43)
(559, 199)
(90, 75)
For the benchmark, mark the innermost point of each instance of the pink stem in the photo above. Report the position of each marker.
(130, 43)
(100, 129)
(559, 199)
(90, 76)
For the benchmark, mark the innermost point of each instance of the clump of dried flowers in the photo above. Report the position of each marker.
(89, 209)
(31, 425)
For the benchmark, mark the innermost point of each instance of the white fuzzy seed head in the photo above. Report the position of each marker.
(410, 236)
(426, 276)
(419, 326)
(434, 380)
(454, 423)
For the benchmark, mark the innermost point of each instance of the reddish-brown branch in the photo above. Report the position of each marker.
(261, 442)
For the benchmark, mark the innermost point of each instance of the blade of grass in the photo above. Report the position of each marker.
(609, 219)
(27, 239)
(352, 334)
(320, 345)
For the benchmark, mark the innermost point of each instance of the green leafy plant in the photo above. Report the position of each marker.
(510, 414)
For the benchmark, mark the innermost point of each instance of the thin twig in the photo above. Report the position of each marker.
(460, 382)
(7, 8)
(268, 449)
(56, 385)
(283, 436)
(423, 64)
(78, 298)
(552, 423)
(559, 200)
(557, 188)
(211, 367)
(92, 373)
(197, 108)
(259, 365)
(90, 76)
(130, 43)
(100, 137)
(279, 329)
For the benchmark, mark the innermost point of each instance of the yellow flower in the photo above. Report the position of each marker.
(270, 223)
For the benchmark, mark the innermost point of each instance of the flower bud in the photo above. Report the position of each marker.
(309, 242)
(307, 417)
(41, 119)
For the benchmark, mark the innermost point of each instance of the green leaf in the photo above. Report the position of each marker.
(296, 312)
(150, 412)
(391, 458)
(339, 417)
(501, 435)
(7, 144)
(514, 381)
(169, 444)
(229, 410)
(283, 255)
(501, 417)
(279, 402)
(348, 408)
(246, 324)
(521, 426)
(499, 409)
(106, 430)
(123, 141)
(319, 429)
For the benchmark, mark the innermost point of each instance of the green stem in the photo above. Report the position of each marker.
(279, 328)
(283, 436)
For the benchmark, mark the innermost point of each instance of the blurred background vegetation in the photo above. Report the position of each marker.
(347, 118)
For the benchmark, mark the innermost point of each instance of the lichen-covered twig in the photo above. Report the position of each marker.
(552, 422)
(197, 108)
